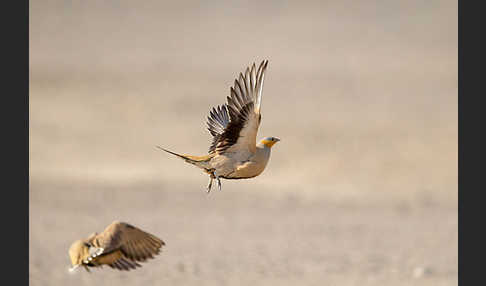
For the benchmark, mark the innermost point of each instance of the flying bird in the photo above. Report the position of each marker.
(234, 152)
(120, 246)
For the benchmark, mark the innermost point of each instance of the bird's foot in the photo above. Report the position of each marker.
(208, 188)
(219, 183)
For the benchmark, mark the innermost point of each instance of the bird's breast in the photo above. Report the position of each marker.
(241, 165)
(248, 169)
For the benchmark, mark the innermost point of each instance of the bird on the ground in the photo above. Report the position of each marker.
(234, 152)
(120, 246)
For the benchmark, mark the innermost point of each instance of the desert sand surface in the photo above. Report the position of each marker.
(361, 190)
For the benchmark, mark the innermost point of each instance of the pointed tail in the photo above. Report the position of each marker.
(199, 161)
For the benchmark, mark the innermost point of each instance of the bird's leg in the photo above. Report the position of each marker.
(210, 172)
(208, 188)
(219, 182)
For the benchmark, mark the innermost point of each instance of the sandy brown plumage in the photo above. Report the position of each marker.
(234, 152)
(237, 121)
(120, 246)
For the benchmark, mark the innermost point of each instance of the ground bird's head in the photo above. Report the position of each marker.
(78, 251)
(268, 141)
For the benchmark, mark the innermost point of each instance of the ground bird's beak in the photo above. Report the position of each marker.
(277, 139)
(72, 269)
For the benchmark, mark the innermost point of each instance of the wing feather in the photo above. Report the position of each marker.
(134, 243)
(234, 126)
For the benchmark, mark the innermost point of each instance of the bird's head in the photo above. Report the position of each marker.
(269, 141)
(78, 251)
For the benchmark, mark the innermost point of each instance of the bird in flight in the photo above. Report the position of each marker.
(234, 152)
(120, 246)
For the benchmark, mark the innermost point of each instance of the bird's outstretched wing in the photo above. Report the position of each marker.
(234, 125)
(134, 243)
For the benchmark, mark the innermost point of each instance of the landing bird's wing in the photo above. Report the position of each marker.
(133, 242)
(234, 125)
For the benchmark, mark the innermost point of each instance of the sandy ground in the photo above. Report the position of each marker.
(362, 189)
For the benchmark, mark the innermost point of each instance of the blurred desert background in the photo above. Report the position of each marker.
(362, 189)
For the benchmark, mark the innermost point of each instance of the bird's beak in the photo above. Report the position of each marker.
(72, 269)
(277, 139)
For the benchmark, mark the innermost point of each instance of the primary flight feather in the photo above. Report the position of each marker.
(120, 246)
(234, 152)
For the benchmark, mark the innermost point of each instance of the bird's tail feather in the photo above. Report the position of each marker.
(199, 161)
